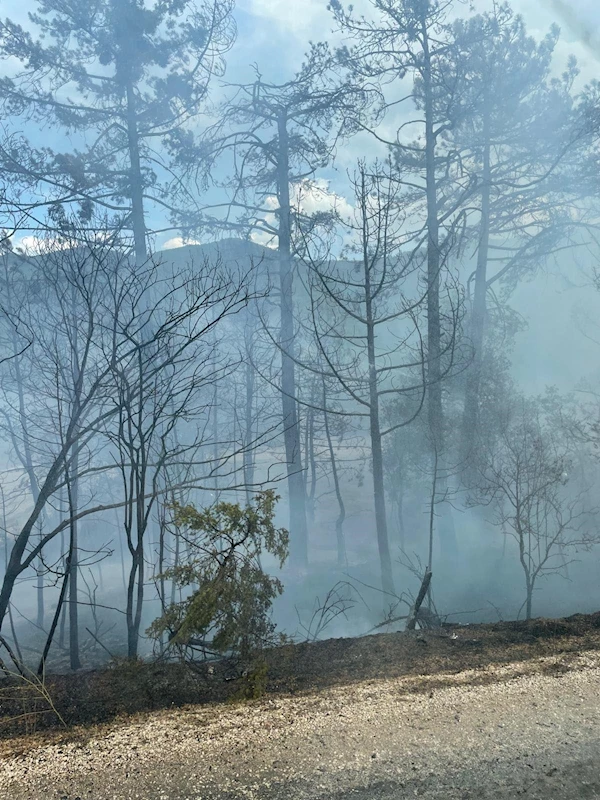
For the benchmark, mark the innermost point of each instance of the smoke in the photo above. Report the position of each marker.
(587, 35)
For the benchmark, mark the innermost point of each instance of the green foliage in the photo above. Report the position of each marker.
(227, 611)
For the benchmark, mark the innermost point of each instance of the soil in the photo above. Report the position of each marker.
(426, 660)
(529, 728)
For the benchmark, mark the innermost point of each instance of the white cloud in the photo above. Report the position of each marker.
(38, 245)
(178, 241)
(312, 197)
(316, 196)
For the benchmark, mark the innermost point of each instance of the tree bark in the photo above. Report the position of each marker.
(297, 500)
(383, 544)
(136, 185)
(339, 523)
(419, 601)
(470, 422)
(136, 525)
(74, 657)
(434, 266)
(248, 454)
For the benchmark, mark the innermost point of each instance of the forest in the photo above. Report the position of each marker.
(287, 356)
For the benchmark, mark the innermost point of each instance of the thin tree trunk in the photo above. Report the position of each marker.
(435, 410)
(10, 616)
(387, 580)
(176, 559)
(310, 458)
(74, 571)
(215, 416)
(63, 627)
(342, 558)
(58, 612)
(63, 615)
(529, 604)
(400, 513)
(470, 421)
(15, 564)
(135, 587)
(434, 266)
(24, 451)
(248, 433)
(138, 520)
(161, 567)
(297, 501)
(383, 544)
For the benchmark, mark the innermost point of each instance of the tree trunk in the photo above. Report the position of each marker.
(15, 565)
(135, 596)
(529, 602)
(434, 266)
(143, 516)
(249, 430)
(470, 421)
(297, 500)
(58, 612)
(138, 521)
(400, 511)
(176, 560)
(387, 580)
(24, 452)
(136, 185)
(74, 657)
(215, 416)
(342, 558)
(63, 615)
(310, 459)
(161, 567)
(40, 582)
(434, 387)
(383, 544)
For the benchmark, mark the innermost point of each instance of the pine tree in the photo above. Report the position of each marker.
(123, 78)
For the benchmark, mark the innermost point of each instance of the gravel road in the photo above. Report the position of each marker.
(529, 729)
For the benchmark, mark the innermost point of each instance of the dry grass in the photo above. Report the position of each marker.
(424, 659)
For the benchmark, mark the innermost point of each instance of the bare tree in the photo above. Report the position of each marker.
(124, 314)
(366, 318)
(280, 134)
(524, 480)
(154, 435)
(407, 39)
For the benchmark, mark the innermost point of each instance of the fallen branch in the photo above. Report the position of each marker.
(103, 646)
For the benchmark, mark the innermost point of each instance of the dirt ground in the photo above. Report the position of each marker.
(529, 728)
(481, 711)
(426, 658)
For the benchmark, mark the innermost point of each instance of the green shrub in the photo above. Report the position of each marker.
(227, 613)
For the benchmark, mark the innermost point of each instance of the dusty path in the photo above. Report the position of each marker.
(532, 730)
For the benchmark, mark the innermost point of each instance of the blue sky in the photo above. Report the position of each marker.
(275, 34)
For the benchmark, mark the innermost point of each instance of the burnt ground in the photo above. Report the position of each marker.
(425, 660)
